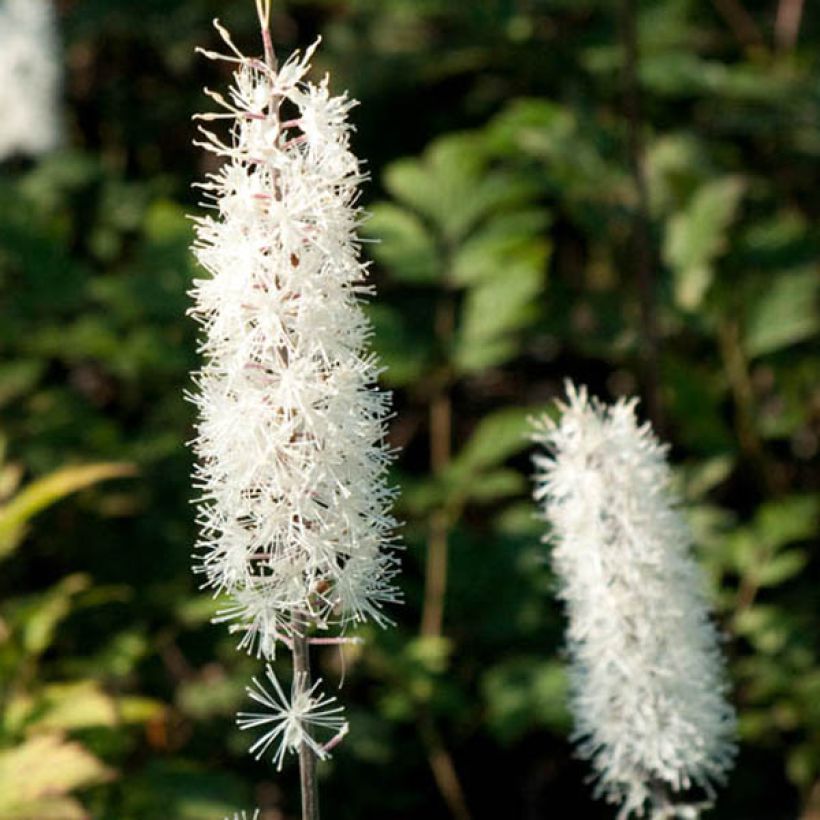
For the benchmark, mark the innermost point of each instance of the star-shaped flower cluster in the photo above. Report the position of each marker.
(293, 721)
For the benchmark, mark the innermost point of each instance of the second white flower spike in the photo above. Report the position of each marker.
(648, 688)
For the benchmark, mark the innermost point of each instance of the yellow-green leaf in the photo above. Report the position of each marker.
(45, 766)
(42, 493)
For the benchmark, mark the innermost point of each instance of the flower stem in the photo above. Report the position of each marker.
(441, 431)
(443, 768)
(307, 759)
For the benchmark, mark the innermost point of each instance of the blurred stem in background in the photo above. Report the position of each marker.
(435, 578)
(787, 23)
(740, 22)
(740, 384)
(441, 436)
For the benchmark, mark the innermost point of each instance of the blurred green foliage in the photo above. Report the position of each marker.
(504, 205)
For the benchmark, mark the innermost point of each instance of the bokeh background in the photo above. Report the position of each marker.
(620, 192)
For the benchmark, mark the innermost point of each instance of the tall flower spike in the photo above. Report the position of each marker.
(294, 511)
(648, 688)
(291, 721)
(244, 816)
(29, 77)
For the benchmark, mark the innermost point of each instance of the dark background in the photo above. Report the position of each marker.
(503, 138)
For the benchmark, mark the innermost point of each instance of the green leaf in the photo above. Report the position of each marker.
(76, 705)
(494, 485)
(781, 568)
(504, 238)
(403, 244)
(696, 236)
(703, 477)
(17, 378)
(786, 520)
(787, 313)
(47, 808)
(676, 164)
(41, 614)
(522, 694)
(203, 698)
(496, 437)
(766, 627)
(403, 346)
(177, 790)
(497, 308)
(42, 493)
(451, 186)
(166, 221)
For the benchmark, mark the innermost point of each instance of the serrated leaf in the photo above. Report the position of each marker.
(496, 309)
(787, 313)
(403, 244)
(490, 250)
(452, 187)
(428, 185)
(697, 235)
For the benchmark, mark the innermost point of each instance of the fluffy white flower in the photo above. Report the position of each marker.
(648, 690)
(294, 511)
(291, 721)
(29, 77)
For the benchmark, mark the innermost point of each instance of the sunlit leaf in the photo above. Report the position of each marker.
(43, 768)
(403, 244)
(696, 236)
(787, 313)
(42, 493)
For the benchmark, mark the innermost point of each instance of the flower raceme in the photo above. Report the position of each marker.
(648, 691)
(296, 531)
(294, 512)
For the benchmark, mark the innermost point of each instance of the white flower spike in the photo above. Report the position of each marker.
(29, 77)
(291, 721)
(648, 687)
(244, 816)
(294, 511)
